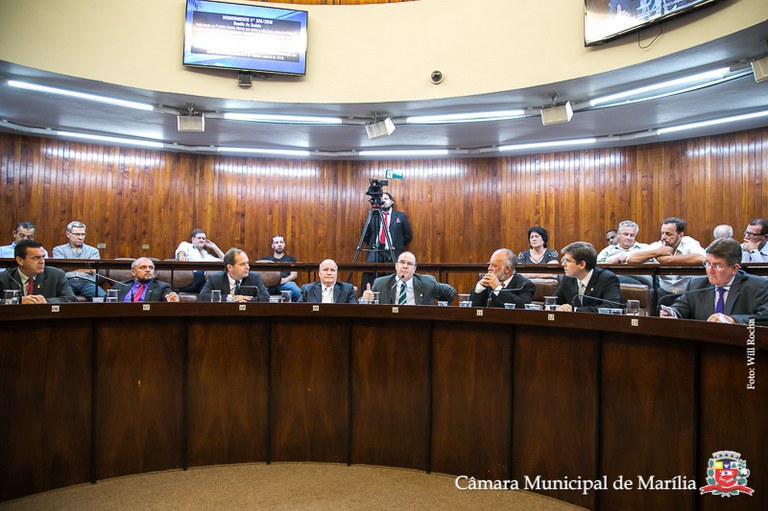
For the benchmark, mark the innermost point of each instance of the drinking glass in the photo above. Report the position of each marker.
(375, 300)
(633, 308)
(464, 300)
(550, 303)
(216, 295)
(112, 296)
(285, 296)
(11, 297)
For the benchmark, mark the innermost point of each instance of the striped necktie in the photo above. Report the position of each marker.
(402, 297)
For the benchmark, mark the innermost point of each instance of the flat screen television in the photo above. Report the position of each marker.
(252, 38)
(605, 20)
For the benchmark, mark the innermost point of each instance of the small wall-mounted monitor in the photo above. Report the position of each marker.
(605, 20)
(245, 38)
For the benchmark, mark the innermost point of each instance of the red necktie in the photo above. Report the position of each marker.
(382, 235)
(30, 287)
(137, 296)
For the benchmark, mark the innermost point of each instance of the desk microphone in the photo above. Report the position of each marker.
(502, 290)
(601, 300)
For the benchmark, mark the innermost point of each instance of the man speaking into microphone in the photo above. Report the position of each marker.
(585, 286)
(727, 294)
(144, 287)
(406, 287)
(502, 285)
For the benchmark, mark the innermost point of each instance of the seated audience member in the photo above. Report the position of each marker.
(755, 237)
(673, 248)
(196, 251)
(36, 282)
(287, 278)
(611, 237)
(406, 287)
(618, 253)
(236, 282)
(501, 285)
(23, 231)
(144, 287)
(722, 231)
(328, 290)
(727, 294)
(538, 253)
(588, 287)
(83, 280)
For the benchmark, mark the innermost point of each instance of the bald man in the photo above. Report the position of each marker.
(144, 287)
(328, 290)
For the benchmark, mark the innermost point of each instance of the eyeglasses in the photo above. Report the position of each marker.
(78, 234)
(715, 266)
(566, 260)
(748, 234)
(406, 263)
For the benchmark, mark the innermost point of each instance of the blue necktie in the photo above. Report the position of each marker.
(402, 298)
(720, 302)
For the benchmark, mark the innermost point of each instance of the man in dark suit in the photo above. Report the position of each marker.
(144, 287)
(727, 294)
(501, 284)
(236, 281)
(406, 287)
(328, 290)
(35, 282)
(586, 287)
(396, 223)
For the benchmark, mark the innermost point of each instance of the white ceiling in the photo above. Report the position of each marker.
(36, 113)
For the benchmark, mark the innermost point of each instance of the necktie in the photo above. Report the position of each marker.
(720, 302)
(582, 289)
(237, 287)
(138, 293)
(402, 297)
(382, 235)
(30, 287)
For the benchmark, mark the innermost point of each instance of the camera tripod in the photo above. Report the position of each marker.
(378, 249)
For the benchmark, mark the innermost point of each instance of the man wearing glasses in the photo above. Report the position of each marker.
(23, 231)
(82, 281)
(586, 287)
(406, 287)
(727, 294)
(755, 247)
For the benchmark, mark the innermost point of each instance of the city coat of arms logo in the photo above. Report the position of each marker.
(727, 475)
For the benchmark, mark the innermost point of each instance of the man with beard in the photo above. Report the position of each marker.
(144, 287)
(287, 278)
(406, 287)
(380, 246)
(502, 285)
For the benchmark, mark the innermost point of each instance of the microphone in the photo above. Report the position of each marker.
(502, 290)
(601, 300)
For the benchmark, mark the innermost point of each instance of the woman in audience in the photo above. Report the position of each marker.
(538, 253)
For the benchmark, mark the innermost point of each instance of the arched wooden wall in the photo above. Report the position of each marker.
(460, 209)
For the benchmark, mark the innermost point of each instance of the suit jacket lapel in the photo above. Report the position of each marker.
(733, 294)
(336, 293)
(418, 290)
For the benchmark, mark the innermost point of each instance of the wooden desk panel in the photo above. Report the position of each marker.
(505, 394)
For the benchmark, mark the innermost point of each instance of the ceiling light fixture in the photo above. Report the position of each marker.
(252, 150)
(113, 140)
(80, 95)
(282, 119)
(500, 115)
(712, 122)
(675, 86)
(405, 152)
(556, 114)
(553, 143)
(380, 128)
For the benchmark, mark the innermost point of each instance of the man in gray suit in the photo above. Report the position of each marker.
(406, 287)
(35, 282)
(727, 294)
(328, 290)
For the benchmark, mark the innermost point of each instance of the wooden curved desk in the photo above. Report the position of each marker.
(93, 391)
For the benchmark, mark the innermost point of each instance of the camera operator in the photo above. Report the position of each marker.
(396, 222)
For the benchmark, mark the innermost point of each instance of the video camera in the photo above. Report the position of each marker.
(376, 191)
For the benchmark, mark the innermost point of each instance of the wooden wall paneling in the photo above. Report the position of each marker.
(139, 404)
(647, 404)
(390, 394)
(554, 408)
(471, 400)
(310, 384)
(45, 404)
(228, 387)
(728, 408)
(460, 209)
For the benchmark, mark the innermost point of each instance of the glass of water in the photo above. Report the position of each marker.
(11, 297)
(215, 295)
(112, 296)
(633, 308)
(285, 296)
(464, 300)
(550, 303)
